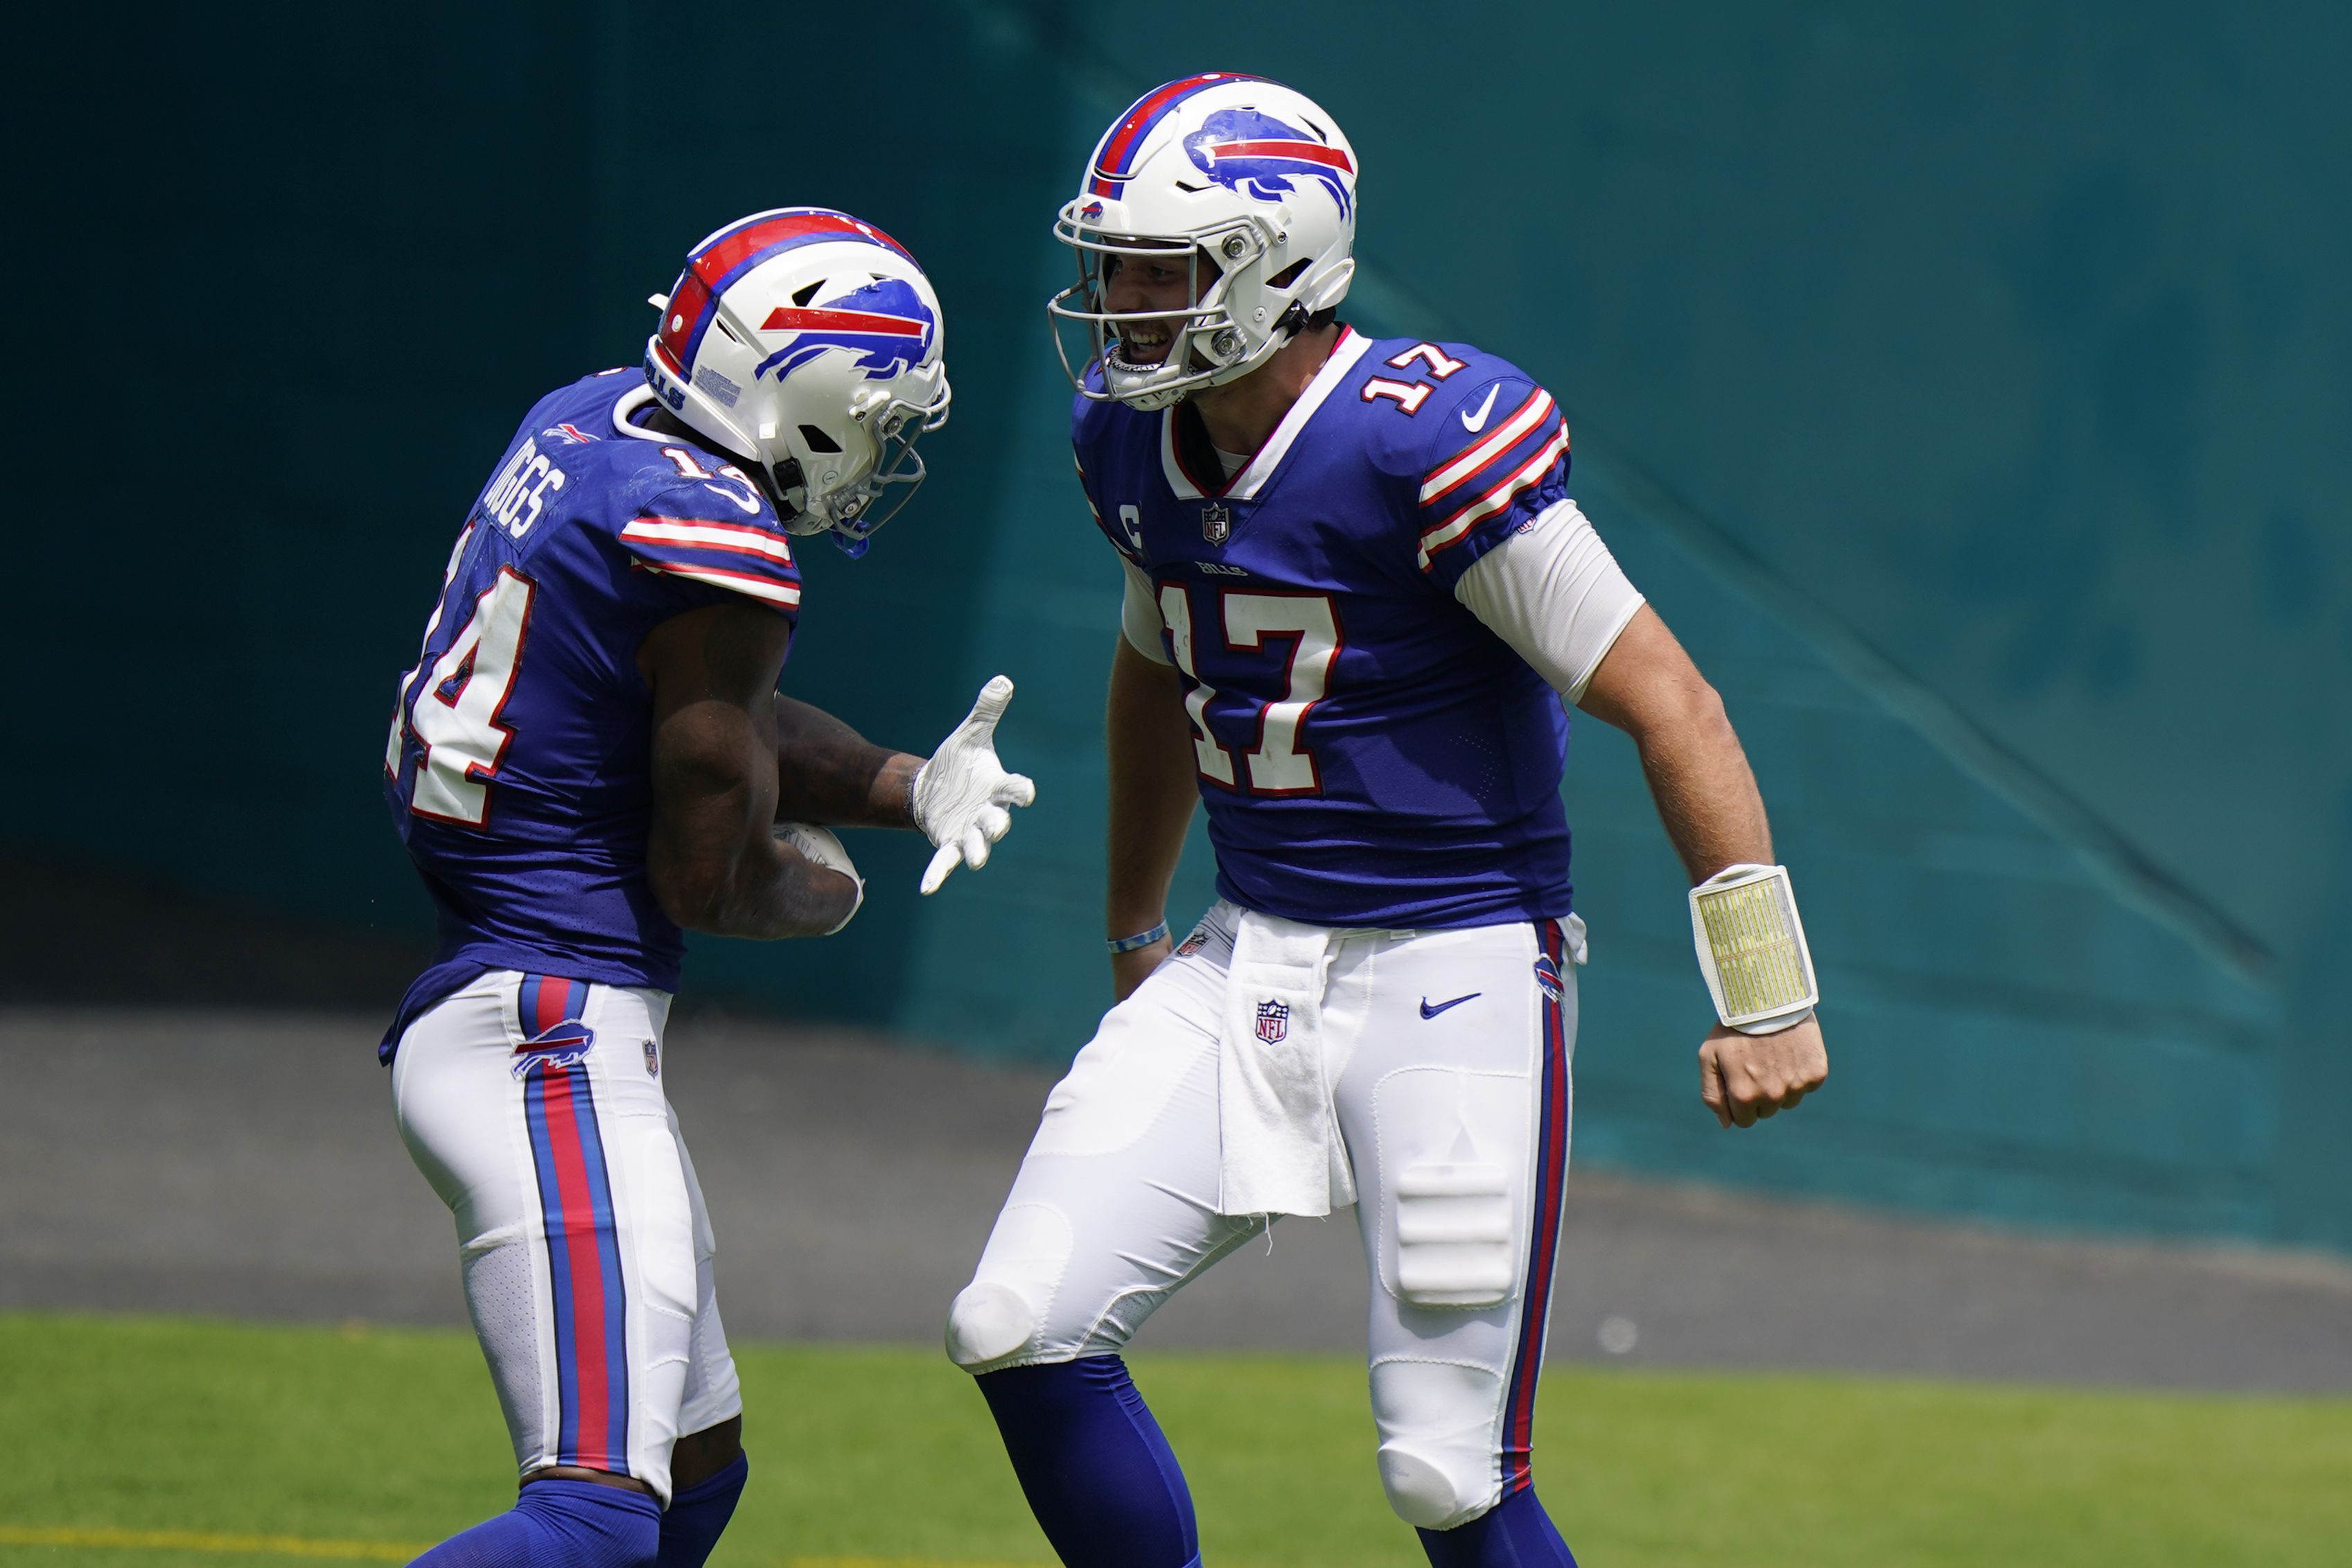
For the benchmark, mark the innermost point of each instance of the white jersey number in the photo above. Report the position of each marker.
(453, 711)
(1176, 609)
(1278, 764)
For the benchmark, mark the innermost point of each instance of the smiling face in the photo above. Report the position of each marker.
(1142, 285)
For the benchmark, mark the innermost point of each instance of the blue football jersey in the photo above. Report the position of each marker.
(1369, 753)
(519, 766)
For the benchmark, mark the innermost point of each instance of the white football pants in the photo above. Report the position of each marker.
(1448, 1055)
(534, 1106)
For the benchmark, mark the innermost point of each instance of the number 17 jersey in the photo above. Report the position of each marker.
(1369, 752)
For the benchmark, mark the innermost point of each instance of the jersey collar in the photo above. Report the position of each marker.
(1260, 469)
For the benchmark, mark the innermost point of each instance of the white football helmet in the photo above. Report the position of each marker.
(1249, 179)
(811, 343)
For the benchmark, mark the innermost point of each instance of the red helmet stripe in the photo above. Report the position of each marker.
(1119, 143)
(1305, 152)
(751, 243)
(783, 319)
(719, 263)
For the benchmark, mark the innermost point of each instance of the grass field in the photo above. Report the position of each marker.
(141, 1443)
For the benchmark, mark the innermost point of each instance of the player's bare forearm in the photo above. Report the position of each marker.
(712, 860)
(1706, 794)
(714, 866)
(1706, 797)
(1153, 793)
(827, 772)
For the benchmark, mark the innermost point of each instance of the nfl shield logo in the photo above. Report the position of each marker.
(653, 1060)
(1217, 523)
(1273, 1021)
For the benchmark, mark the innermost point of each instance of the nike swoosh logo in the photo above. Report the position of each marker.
(1429, 1012)
(1474, 425)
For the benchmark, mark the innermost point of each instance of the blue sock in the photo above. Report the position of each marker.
(690, 1526)
(559, 1524)
(1097, 1471)
(1514, 1533)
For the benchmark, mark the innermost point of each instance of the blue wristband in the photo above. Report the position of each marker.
(1141, 939)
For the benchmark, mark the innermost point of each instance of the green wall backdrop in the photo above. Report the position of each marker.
(1967, 384)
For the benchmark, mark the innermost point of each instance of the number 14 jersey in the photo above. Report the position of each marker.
(518, 765)
(1369, 753)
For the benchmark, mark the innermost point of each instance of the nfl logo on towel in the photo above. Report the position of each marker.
(1273, 1021)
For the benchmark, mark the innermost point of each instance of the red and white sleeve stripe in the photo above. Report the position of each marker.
(751, 560)
(1473, 460)
(1490, 475)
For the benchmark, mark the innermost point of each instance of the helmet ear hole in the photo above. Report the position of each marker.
(1289, 275)
(817, 440)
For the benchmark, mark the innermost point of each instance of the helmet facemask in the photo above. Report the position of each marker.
(1234, 325)
(882, 478)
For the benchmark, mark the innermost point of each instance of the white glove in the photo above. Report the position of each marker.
(818, 844)
(961, 794)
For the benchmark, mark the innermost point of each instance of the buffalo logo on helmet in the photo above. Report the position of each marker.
(885, 324)
(1258, 156)
(1273, 1021)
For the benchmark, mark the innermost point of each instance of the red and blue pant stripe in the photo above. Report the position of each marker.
(583, 1254)
(1549, 1196)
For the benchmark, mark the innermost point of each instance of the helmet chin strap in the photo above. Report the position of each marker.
(773, 485)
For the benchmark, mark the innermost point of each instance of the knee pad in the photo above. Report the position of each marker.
(988, 1322)
(1417, 1490)
(1438, 1422)
(1022, 1265)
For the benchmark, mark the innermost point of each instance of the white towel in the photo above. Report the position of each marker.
(1277, 1128)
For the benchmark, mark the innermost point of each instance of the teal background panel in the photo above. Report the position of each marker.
(1964, 383)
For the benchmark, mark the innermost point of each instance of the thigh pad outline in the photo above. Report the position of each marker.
(1453, 1147)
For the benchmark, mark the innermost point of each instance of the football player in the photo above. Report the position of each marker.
(590, 757)
(1360, 602)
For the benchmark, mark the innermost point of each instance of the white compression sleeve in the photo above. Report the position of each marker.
(1138, 614)
(1555, 594)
